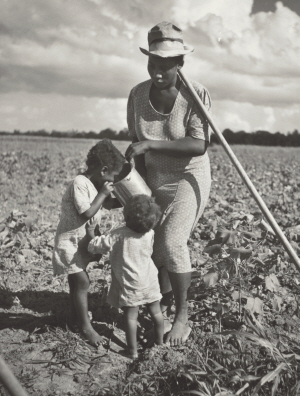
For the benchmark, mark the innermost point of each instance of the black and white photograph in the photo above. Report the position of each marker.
(150, 197)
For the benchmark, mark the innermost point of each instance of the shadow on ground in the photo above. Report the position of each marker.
(29, 310)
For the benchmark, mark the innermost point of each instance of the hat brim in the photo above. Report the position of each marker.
(168, 54)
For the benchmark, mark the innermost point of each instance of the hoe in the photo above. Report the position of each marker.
(287, 246)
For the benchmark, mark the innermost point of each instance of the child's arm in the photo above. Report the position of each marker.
(106, 189)
(92, 230)
(100, 244)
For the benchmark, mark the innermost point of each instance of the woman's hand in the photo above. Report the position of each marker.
(137, 148)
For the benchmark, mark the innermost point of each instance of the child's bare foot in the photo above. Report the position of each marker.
(129, 354)
(152, 343)
(178, 334)
(91, 335)
(149, 334)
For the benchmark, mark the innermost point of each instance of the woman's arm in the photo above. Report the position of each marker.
(185, 147)
(139, 161)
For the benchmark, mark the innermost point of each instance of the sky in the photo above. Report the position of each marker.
(70, 64)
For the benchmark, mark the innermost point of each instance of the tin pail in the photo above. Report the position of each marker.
(131, 184)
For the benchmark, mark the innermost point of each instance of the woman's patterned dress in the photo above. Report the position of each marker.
(181, 185)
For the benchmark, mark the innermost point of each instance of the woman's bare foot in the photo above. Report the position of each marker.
(91, 335)
(178, 334)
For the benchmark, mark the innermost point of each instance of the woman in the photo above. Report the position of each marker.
(170, 138)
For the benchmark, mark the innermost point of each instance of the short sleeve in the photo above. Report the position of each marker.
(100, 244)
(81, 196)
(130, 117)
(198, 126)
(152, 238)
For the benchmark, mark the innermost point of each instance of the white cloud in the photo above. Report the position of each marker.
(248, 117)
(89, 49)
(190, 12)
(57, 112)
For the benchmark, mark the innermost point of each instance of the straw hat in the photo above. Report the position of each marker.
(165, 40)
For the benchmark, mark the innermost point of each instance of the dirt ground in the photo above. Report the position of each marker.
(48, 359)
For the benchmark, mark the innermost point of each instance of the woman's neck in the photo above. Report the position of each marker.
(163, 100)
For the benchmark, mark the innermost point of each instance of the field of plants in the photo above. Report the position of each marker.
(244, 304)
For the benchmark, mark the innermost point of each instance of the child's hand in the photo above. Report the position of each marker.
(90, 231)
(107, 188)
(101, 244)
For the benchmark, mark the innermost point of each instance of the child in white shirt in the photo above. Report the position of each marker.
(134, 274)
(81, 211)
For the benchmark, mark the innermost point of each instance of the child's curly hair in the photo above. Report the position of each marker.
(104, 153)
(141, 213)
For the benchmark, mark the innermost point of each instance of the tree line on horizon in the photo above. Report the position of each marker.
(260, 137)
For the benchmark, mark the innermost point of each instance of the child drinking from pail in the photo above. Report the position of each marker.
(134, 275)
(81, 210)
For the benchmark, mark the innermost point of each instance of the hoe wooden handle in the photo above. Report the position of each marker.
(291, 252)
(9, 381)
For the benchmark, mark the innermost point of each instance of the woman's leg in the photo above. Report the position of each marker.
(158, 321)
(171, 252)
(80, 298)
(180, 284)
(180, 330)
(131, 315)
